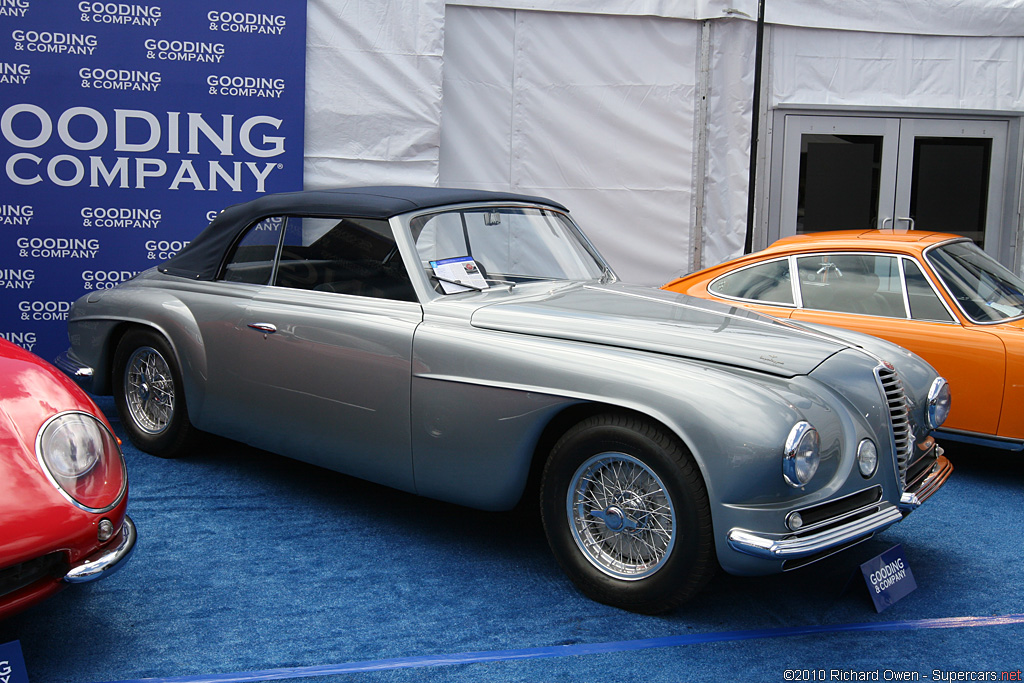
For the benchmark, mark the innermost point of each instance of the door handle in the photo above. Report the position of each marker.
(884, 221)
(265, 328)
(908, 219)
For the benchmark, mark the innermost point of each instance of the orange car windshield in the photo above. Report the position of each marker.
(982, 287)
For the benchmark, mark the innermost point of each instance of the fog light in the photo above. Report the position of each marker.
(867, 458)
(105, 530)
(794, 521)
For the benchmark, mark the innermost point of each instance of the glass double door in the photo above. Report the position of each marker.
(846, 172)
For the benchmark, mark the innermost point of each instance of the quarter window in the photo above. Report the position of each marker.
(924, 302)
(767, 282)
(253, 258)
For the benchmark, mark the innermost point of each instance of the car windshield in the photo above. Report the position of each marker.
(983, 288)
(479, 247)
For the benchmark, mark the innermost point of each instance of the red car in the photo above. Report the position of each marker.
(63, 485)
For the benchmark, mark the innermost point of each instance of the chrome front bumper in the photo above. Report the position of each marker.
(794, 547)
(842, 535)
(925, 484)
(108, 560)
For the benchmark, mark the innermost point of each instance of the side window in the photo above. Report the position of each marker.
(343, 255)
(253, 258)
(866, 284)
(767, 282)
(924, 302)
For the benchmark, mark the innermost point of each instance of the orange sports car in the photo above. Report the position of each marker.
(936, 294)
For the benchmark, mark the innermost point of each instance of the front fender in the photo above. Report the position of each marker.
(735, 423)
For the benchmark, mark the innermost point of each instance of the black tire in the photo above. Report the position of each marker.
(150, 396)
(626, 514)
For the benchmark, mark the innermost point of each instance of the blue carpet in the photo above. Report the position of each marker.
(250, 563)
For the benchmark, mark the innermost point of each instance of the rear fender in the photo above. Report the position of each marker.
(95, 331)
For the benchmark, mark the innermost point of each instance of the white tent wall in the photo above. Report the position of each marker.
(373, 92)
(911, 17)
(812, 67)
(597, 105)
(956, 76)
(730, 104)
(593, 111)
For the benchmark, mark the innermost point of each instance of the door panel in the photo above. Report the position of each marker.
(331, 385)
(317, 366)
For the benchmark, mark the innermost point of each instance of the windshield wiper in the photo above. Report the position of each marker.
(511, 285)
(460, 283)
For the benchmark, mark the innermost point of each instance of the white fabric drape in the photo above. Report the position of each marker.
(593, 111)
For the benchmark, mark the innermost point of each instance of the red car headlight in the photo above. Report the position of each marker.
(83, 460)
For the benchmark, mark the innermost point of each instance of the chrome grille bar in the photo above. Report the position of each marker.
(899, 419)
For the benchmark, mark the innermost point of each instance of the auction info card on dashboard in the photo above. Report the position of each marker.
(458, 274)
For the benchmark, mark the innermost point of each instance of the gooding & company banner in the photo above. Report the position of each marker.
(125, 126)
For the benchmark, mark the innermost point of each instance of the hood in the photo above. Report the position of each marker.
(663, 322)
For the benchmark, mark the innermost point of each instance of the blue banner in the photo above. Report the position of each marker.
(124, 128)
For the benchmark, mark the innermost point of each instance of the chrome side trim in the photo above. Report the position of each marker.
(921, 490)
(83, 375)
(72, 367)
(108, 560)
(988, 441)
(794, 547)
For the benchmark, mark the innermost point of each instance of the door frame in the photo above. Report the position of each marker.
(1006, 206)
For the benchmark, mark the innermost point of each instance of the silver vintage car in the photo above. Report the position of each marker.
(474, 347)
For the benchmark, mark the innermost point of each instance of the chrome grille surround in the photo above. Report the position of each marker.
(900, 431)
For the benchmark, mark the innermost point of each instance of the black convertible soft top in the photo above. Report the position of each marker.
(201, 259)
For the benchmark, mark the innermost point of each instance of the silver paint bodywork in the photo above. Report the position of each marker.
(457, 397)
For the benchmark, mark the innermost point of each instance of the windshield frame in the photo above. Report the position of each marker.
(603, 271)
(993, 267)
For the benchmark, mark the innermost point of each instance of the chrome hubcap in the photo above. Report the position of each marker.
(149, 390)
(621, 516)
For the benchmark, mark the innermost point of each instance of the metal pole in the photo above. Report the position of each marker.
(755, 123)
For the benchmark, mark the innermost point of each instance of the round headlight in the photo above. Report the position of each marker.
(867, 457)
(83, 460)
(802, 455)
(939, 402)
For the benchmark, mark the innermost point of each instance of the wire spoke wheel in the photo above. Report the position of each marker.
(149, 390)
(150, 395)
(626, 513)
(621, 516)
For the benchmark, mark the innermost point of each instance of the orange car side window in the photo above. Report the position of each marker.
(768, 282)
(924, 303)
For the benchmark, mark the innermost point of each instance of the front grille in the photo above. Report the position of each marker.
(899, 419)
(16, 577)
